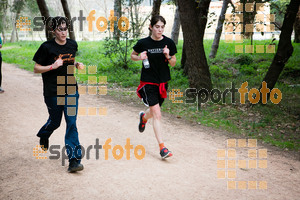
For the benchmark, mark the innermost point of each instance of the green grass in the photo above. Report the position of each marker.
(275, 124)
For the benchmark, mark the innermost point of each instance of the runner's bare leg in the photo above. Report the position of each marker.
(156, 114)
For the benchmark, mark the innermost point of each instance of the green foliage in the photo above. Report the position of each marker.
(119, 51)
(292, 71)
(17, 6)
(219, 71)
(248, 70)
(278, 7)
(3, 8)
(132, 10)
(32, 7)
(244, 59)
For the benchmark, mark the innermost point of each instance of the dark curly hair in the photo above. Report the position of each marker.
(157, 18)
(56, 21)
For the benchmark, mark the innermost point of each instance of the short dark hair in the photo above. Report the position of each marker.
(58, 20)
(157, 18)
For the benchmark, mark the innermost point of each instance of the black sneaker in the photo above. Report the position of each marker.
(142, 124)
(165, 153)
(44, 143)
(74, 166)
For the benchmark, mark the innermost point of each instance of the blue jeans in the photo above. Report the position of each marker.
(69, 108)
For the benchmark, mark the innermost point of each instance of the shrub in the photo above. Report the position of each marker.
(244, 59)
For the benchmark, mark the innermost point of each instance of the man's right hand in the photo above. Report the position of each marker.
(143, 55)
(59, 62)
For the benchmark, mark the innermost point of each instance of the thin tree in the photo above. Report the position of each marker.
(285, 47)
(176, 25)
(249, 16)
(3, 11)
(18, 5)
(193, 17)
(137, 21)
(215, 45)
(45, 13)
(65, 6)
(297, 28)
(118, 14)
(155, 9)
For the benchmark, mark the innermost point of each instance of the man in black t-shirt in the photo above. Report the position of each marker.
(55, 59)
(157, 52)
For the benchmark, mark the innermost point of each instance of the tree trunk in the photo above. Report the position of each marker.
(65, 6)
(297, 28)
(138, 23)
(45, 13)
(285, 48)
(132, 17)
(17, 7)
(155, 9)
(183, 60)
(193, 17)
(215, 45)
(3, 11)
(118, 14)
(13, 33)
(3, 37)
(248, 17)
(176, 26)
(17, 34)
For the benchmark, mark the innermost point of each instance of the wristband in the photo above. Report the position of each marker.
(51, 67)
(170, 58)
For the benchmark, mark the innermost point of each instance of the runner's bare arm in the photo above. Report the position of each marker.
(136, 57)
(42, 69)
(171, 59)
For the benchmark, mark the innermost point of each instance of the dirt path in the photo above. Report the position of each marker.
(190, 174)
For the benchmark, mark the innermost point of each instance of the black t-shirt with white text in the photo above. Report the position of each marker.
(159, 71)
(47, 54)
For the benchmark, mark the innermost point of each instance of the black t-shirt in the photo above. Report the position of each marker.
(159, 71)
(47, 54)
